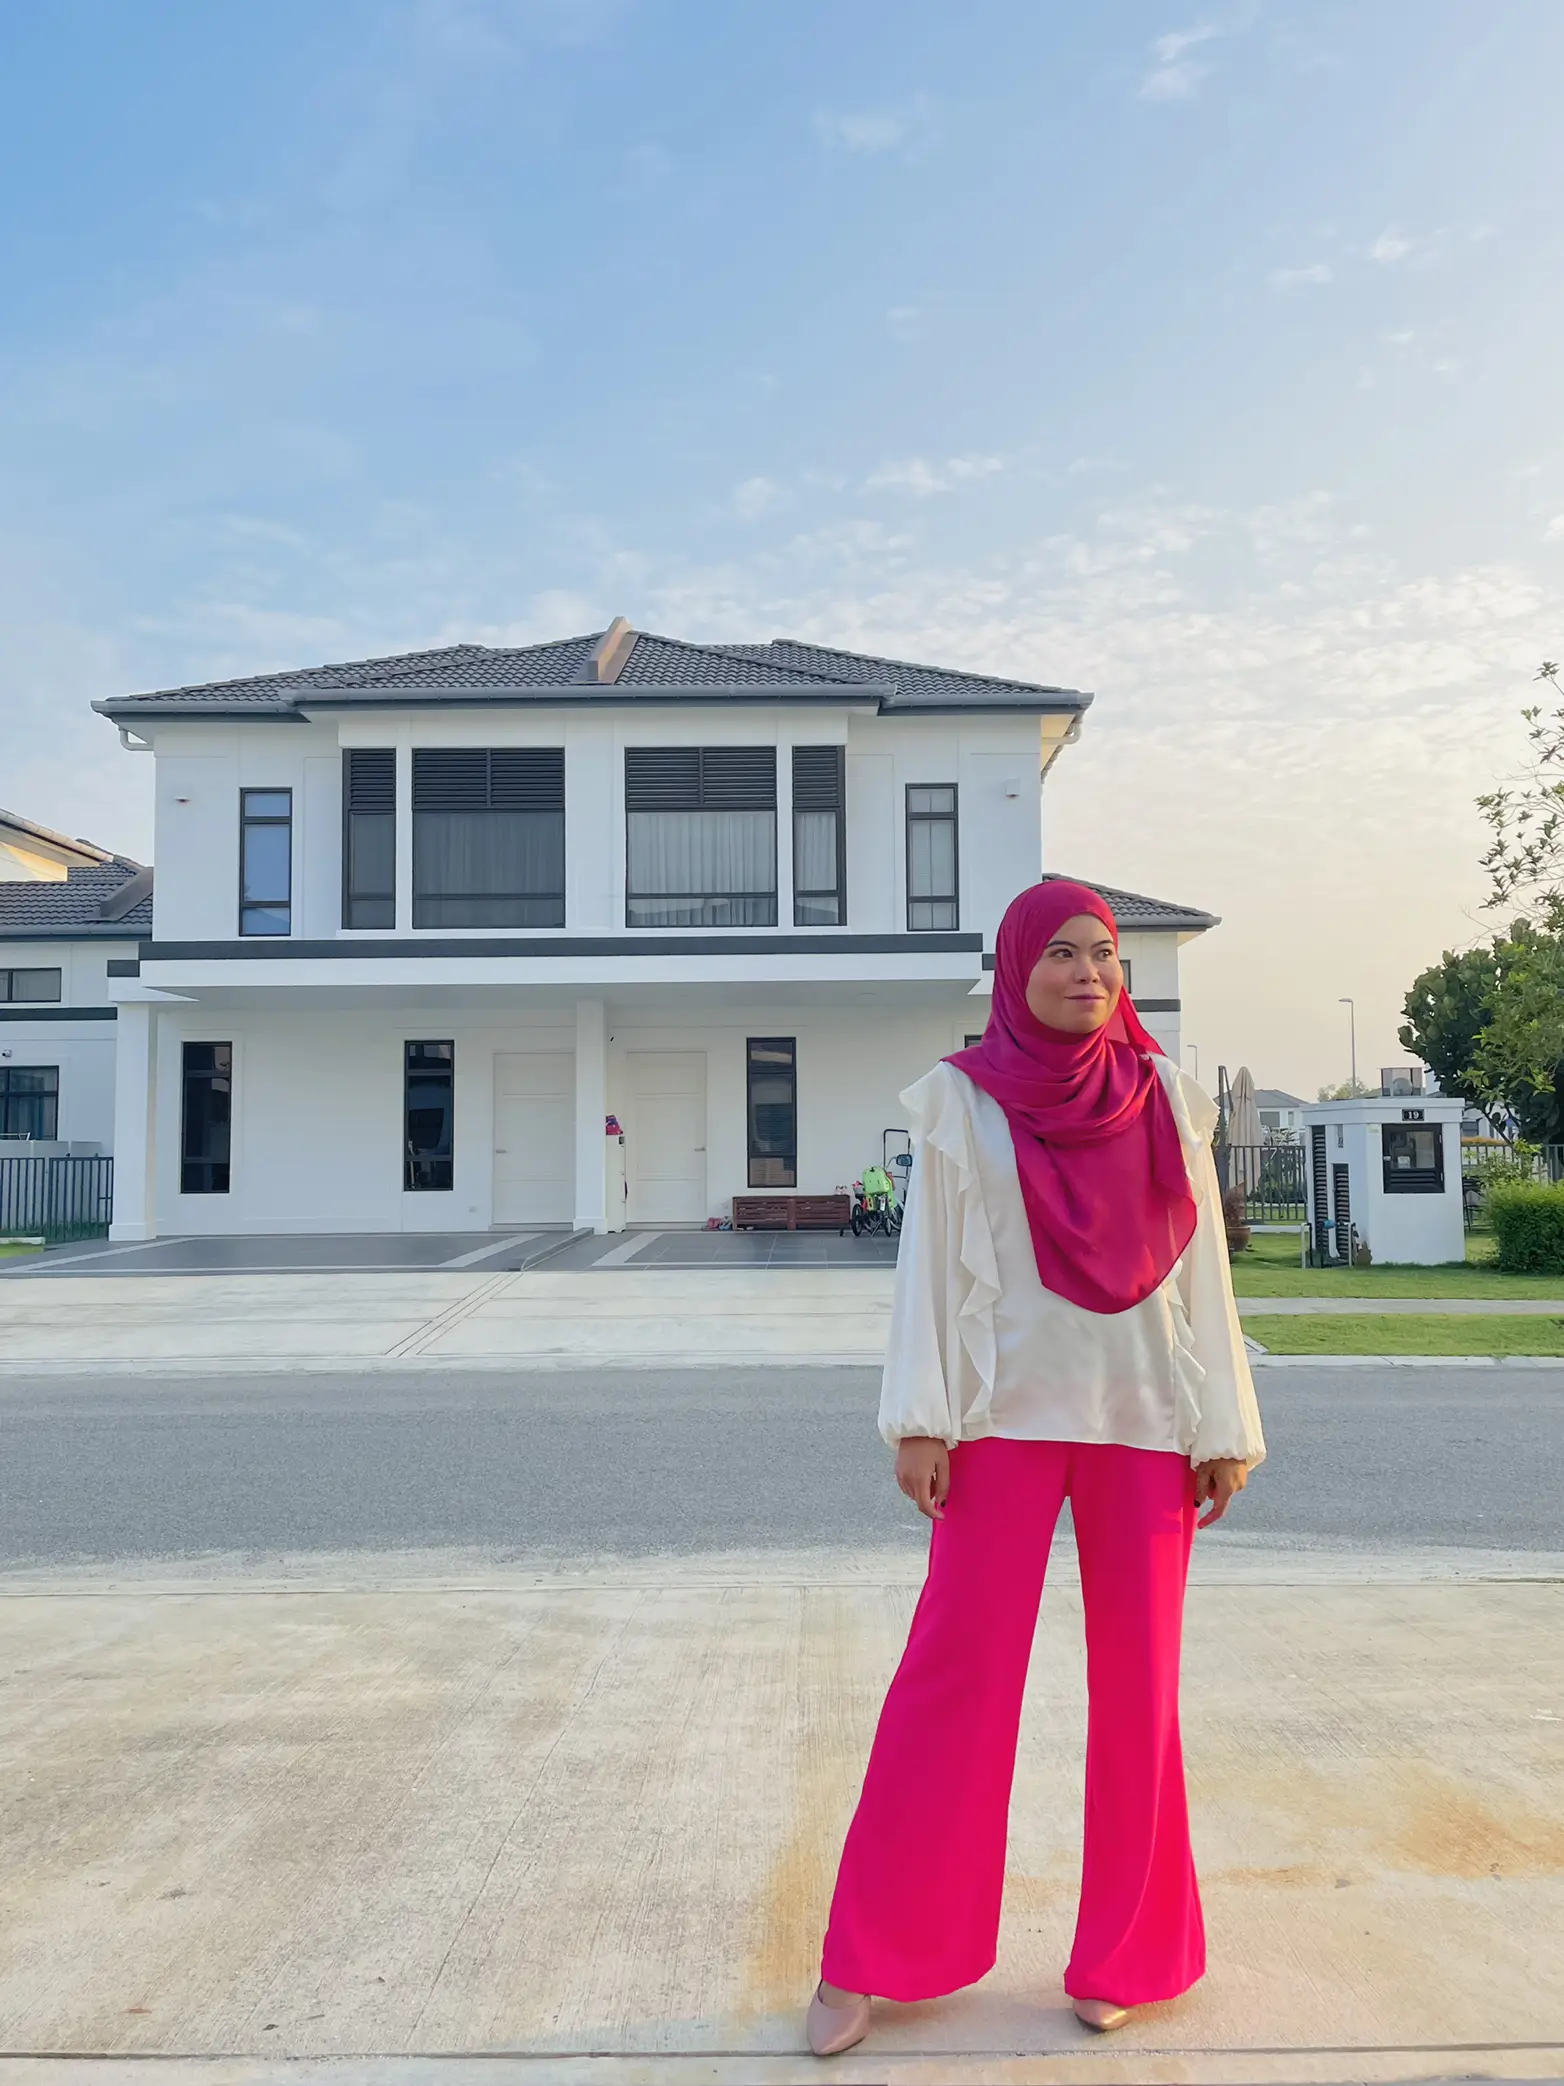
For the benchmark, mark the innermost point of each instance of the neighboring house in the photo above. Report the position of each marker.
(1279, 1112)
(424, 923)
(60, 927)
(32, 854)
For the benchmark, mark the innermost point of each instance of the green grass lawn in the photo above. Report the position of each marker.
(8, 1251)
(1269, 1268)
(1414, 1334)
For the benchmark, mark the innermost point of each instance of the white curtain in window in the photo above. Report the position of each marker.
(931, 859)
(702, 853)
(814, 850)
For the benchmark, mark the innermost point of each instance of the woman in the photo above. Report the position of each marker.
(1063, 1327)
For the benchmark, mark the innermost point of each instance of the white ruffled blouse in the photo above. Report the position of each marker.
(978, 1346)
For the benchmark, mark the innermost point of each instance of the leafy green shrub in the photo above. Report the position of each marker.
(1501, 1169)
(1528, 1222)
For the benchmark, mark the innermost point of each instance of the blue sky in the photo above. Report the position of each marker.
(1205, 359)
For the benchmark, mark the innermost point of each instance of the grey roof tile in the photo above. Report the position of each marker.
(1133, 909)
(72, 909)
(666, 664)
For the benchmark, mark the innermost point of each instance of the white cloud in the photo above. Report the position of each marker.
(1176, 77)
(1285, 280)
(902, 319)
(916, 475)
(1391, 246)
(1554, 532)
(869, 132)
(754, 497)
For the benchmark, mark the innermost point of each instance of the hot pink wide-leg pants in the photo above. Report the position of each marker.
(916, 1909)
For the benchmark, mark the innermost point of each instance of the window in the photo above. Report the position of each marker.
(773, 1112)
(29, 985)
(489, 836)
(206, 1118)
(931, 856)
(265, 861)
(428, 1116)
(701, 836)
(819, 836)
(1414, 1158)
(30, 1100)
(369, 836)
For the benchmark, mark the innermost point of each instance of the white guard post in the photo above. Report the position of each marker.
(1388, 1167)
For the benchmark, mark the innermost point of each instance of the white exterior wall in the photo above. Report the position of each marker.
(201, 769)
(318, 1101)
(318, 1039)
(83, 1051)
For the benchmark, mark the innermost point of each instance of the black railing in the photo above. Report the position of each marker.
(56, 1198)
(1486, 1166)
(1272, 1177)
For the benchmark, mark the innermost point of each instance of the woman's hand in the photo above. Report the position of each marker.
(1216, 1481)
(923, 1473)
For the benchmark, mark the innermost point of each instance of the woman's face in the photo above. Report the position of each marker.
(1076, 982)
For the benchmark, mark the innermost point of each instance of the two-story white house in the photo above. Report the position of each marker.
(67, 910)
(425, 926)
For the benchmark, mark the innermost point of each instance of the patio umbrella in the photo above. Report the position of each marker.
(1244, 1135)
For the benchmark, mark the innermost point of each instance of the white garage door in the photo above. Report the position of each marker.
(666, 1136)
(534, 1137)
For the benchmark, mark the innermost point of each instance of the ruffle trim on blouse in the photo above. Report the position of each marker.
(939, 1114)
(1195, 1113)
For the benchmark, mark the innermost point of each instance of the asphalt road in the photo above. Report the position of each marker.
(649, 1461)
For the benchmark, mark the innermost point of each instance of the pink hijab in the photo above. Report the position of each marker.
(1103, 1178)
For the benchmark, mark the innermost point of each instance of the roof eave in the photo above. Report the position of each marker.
(883, 696)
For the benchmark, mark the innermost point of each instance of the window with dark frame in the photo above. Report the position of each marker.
(819, 836)
(206, 1118)
(489, 836)
(369, 836)
(30, 1102)
(33, 984)
(931, 857)
(266, 861)
(429, 1117)
(701, 836)
(772, 1111)
(1413, 1155)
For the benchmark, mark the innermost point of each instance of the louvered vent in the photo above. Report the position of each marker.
(497, 778)
(817, 778)
(371, 778)
(704, 778)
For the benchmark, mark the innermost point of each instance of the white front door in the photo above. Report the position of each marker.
(665, 1146)
(534, 1137)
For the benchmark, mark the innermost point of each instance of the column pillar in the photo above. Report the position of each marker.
(135, 1122)
(591, 1107)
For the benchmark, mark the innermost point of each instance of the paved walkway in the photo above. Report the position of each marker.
(638, 1309)
(588, 1816)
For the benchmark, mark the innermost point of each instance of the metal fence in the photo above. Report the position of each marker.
(1272, 1177)
(1487, 1166)
(55, 1198)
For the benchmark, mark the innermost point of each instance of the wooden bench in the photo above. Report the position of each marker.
(792, 1212)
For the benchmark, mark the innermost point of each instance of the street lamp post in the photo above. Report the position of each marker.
(1352, 1022)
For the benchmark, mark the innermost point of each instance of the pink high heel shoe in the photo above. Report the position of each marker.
(832, 2029)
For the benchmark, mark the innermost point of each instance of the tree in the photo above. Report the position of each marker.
(1518, 1062)
(1525, 859)
(1447, 1009)
(1349, 1090)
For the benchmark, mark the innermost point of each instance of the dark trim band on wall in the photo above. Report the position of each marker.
(824, 943)
(27, 1012)
(124, 967)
